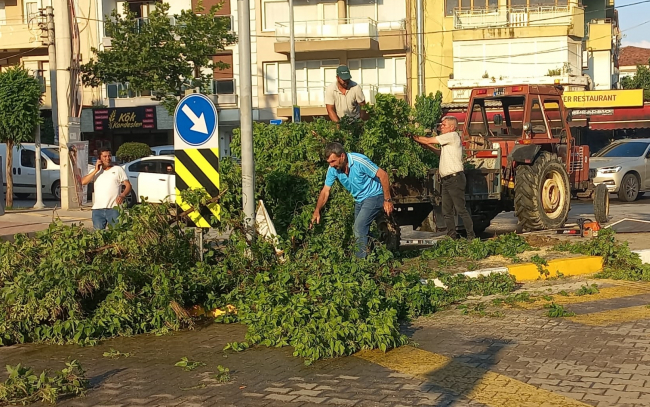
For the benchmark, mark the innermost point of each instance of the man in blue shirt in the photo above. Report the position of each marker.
(368, 185)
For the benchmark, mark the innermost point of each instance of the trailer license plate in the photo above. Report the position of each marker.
(500, 92)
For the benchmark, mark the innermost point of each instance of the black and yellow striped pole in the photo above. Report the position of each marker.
(196, 150)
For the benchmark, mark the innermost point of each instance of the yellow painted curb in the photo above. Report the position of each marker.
(568, 267)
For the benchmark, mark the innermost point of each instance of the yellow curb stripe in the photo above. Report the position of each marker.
(569, 267)
(613, 317)
(606, 293)
(481, 385)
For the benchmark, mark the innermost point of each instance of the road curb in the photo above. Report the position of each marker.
(573, 266)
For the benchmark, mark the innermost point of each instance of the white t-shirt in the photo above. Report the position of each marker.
(451, 154)
(107, 187)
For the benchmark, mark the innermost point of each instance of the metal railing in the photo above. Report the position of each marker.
(315, 95)
(328, 29)
(536, 16)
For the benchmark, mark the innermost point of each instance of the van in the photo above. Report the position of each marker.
(163, 150)
(23, 170)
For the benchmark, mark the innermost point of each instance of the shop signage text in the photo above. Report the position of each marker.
(603, 99)
(124, 118)
(592, 112)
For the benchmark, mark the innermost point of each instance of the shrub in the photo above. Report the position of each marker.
(132, 151)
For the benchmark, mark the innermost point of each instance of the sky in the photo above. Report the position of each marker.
(629, 17)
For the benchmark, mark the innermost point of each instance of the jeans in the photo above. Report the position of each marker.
(364, 213)
(103, 217)
(453, 197)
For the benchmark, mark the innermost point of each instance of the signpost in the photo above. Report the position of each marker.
(196, 150)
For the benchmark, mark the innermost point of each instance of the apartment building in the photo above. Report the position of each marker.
(470, 43)
(21, 42)
(153, 124)
(367, 35)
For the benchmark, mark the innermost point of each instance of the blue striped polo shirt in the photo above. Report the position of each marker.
(362, 182)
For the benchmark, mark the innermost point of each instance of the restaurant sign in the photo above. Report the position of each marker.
(603, 99)
(124, 118)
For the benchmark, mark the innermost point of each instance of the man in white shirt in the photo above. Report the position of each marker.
(108, 179)
(344, 97)
(451, 174)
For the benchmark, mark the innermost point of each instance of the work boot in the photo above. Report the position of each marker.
(471, 236)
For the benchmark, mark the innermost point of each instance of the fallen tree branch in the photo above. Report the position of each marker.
(192, 209)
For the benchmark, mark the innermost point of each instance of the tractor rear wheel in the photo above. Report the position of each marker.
(542, 193)
(601, 203)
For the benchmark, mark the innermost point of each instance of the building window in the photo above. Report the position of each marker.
(378, 10)
(310, 75)
(123, 91)
(274, 12)
(379, 72)
(537, 3)
(3, 13)
(466, 5)
(31, 11)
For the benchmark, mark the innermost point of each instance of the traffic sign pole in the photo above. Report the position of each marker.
(196, 155)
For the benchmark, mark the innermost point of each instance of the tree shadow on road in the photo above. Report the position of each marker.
(95, 381)
(467, 376)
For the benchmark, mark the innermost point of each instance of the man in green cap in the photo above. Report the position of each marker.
(344, 97)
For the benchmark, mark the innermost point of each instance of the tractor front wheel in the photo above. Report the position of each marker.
(542, 193)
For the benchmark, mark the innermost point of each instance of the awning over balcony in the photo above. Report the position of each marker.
(622, 118)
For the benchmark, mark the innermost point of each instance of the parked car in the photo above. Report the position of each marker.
(624, 167)
(163, 150)
(24, 169)
(152, 177)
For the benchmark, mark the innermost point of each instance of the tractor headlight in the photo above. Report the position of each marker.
(609, 170)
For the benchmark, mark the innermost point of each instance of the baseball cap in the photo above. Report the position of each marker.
(343, 72)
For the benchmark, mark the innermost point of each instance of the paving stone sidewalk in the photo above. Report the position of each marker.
(526, 355)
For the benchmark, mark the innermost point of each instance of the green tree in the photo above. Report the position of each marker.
(428, 110)
(20, 101)
(639, 81)
(161, 54)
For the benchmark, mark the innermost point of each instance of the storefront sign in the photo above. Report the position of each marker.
(592, 112)
(124, 118)
(603, 98)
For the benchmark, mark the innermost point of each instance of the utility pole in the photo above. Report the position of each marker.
(246, 117)
(419, 24)
(51, 53)
(39, 184)
(63, 43)
(292, 57)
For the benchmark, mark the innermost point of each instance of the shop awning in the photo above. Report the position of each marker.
(623, 118)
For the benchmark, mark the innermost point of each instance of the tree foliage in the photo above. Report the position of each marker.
(641, 80)
(163, 54)
(20, 101)
(132, 151)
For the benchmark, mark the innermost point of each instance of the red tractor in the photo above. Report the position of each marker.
(520, 157)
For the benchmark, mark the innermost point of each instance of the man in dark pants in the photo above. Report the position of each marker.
(451, 174)
(368, 185)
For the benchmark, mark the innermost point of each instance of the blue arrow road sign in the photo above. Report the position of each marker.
(276, 122)
(195, 119)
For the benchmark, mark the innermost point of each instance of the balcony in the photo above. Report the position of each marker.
(20, 36)
(223, 94)
(312, 99)
(521, 17)
(328, 35)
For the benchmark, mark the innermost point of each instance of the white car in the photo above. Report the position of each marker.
(624, 167)
(151, 177)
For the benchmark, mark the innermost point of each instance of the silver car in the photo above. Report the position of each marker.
(624, 167)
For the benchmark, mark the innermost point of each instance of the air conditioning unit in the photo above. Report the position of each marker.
(106, 42)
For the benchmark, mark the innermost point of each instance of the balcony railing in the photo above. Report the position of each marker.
(514, 17)
(222, 87)
(328, 29)
(314, 96)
